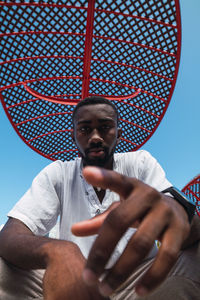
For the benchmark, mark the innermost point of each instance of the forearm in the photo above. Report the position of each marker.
(22, 248)
(194, 234)
(62, 260)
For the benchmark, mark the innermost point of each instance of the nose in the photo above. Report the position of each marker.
(95, 137)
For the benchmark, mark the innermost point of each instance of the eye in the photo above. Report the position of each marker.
(84, 129)
(105, 127)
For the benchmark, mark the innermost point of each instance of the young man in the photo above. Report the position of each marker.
(125, 258)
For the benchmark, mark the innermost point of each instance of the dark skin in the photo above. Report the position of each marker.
(96, 135)
(63, 261)
(162, 217)
(159, 217)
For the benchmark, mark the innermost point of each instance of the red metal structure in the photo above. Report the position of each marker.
(54, 53)
(192, 190)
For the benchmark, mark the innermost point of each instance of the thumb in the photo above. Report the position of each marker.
(91, 226)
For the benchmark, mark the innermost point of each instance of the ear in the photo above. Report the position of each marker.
(119, 134)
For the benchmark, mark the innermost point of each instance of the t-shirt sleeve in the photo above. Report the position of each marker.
(150, 172)
(39, 207)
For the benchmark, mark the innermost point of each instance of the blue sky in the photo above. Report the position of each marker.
(175, 144)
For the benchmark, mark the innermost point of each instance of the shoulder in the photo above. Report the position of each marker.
(143, 166)
(132, 163)
(61, 166)
(135, 156)
(52, 169)
(56, 171)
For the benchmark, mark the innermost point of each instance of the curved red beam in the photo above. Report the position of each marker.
(143, 90)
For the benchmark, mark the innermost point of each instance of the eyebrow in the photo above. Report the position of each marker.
(100, 120)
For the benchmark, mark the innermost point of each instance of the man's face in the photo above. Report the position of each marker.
(96, 134)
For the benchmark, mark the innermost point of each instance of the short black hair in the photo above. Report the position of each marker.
(92, 101)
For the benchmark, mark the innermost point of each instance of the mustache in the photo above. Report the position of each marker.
(96, 147)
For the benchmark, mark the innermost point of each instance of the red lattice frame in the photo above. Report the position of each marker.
(53, 55)
(192, 190)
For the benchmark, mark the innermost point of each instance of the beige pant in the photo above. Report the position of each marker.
(183, 282)
(18, 284)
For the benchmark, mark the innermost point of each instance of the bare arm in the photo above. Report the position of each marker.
(62, 260)
(21, 247)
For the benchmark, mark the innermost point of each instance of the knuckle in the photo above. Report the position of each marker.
(152, 194)
(141, 244)
(167, 210)
(116, 220)
(97, 258)
(128, 185)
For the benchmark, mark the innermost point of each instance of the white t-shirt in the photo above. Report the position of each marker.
(60, 190)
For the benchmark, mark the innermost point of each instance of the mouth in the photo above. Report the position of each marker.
(96, 152)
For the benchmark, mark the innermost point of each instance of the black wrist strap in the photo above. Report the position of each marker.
(183, 200)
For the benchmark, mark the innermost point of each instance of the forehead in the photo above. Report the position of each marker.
(95, 111)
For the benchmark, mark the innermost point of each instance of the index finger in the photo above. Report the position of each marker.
(108, 179)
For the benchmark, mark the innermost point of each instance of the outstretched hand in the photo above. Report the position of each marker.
(158, 216)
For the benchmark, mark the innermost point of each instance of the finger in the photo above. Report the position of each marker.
(136, 250)
(165, 260)
(91, 226)
(108, 179)
(111, 231)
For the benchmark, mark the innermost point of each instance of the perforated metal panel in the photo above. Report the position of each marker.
(55, 53)
(192, 190)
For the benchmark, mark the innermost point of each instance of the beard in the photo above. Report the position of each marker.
(98, 161)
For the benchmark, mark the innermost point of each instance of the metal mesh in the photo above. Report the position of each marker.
(192, 191)
(55, 53)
